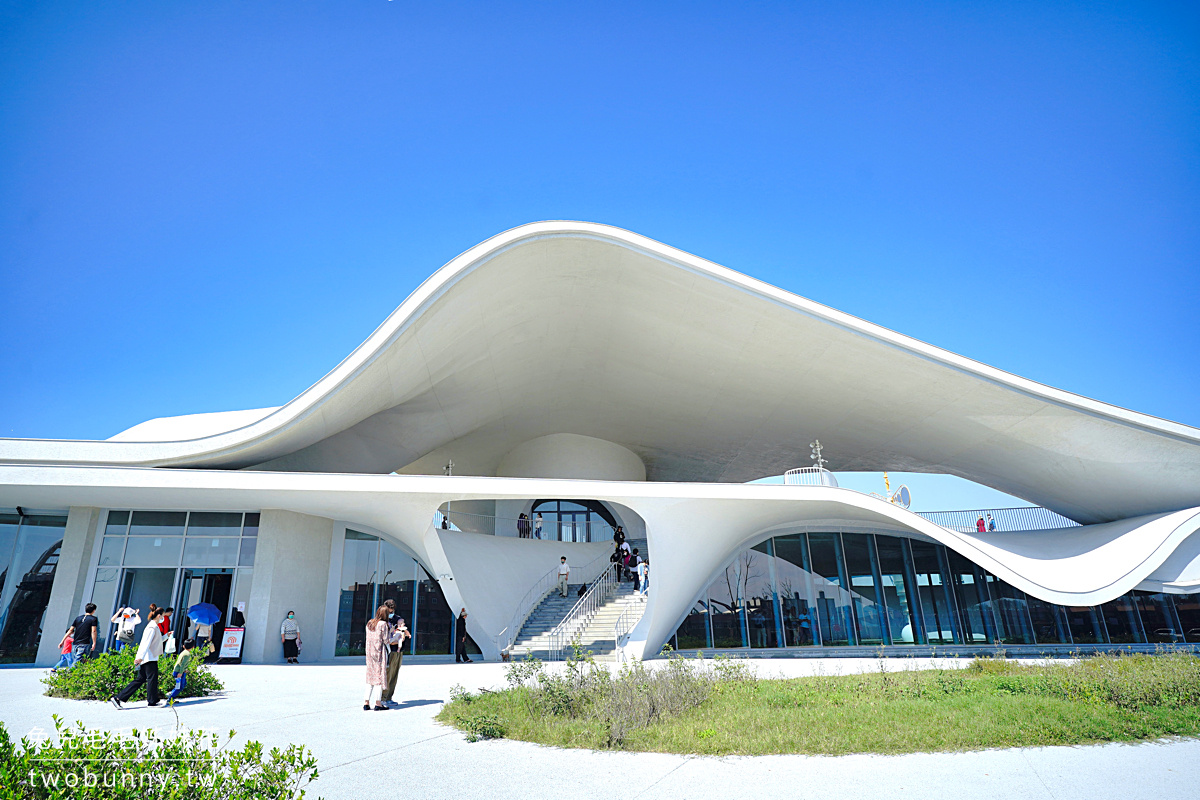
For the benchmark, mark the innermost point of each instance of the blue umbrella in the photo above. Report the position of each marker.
(204, 613)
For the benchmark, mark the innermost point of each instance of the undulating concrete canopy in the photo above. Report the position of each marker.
(703, 373)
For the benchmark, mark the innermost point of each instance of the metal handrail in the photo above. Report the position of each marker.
(593, 530)
(810, 476)
(533, 598)
(1028, 518)
(581, 613)
(621, 629)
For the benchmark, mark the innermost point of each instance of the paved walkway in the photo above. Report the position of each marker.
(405, 753)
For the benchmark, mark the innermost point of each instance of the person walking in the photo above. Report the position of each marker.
(991, 523)
(289, 636)
(619, 536)
(460, 639)
(164, 624)
(147, 663)
(615, 559)
(398, 633)
(635, 562)
(377, 660)
(979, 524)
(201, 632)
(179, 671)
(564, 575)
(643, 570)
(537, 526)
(64, 650)
(126, 620)
(83, 640)
(522, 526)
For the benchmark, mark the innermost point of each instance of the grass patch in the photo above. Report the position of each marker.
(718, 708)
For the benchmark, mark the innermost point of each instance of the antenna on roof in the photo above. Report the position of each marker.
(816, 454)
(448, 470)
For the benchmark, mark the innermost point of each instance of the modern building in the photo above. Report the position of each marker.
(564, 379)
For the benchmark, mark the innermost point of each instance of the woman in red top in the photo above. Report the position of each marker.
(164, 622)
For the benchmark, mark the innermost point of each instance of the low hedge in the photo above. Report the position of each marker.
(78, 763)
(107, 674)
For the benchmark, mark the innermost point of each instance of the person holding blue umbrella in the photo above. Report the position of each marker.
(203, 615)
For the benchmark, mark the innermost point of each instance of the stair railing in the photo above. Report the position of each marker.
(599, 593)
(621, 629)
(540, 590)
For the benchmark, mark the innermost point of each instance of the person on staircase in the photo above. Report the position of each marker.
(643, 575)
(564, 575)
(635, 561)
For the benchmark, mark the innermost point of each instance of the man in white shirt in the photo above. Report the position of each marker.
(564, 574)
(147, 663)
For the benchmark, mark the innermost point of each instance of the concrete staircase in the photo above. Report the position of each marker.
(597, 635)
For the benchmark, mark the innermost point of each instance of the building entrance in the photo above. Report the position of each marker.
(203, 586)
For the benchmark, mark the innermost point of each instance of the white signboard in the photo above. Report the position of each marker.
(231, 642)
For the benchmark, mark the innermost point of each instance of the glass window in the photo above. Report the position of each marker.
(1158, 618)
(1011, 612)
(434, 633)
(104, 595)
(934, 592)
(834, 614)
(1187, 609)
(118, 523)
(762, 612)
(398, 582)
(1084, 624)
(140, 588)
(26, 591)
(794, 582)
(360, 556)
(725, 605)
(112, 551)
(247, 557)
(210, 551)
(864, 583)
(896, 587)
(157, 523)
(693, 632)
(1121, 621)
(9, 526)
(251, 526)
(240, 606)
(214, 523)
(970, 591)
(161, 551)
(1049, 622)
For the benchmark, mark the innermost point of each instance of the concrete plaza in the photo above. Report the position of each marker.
(405, 753)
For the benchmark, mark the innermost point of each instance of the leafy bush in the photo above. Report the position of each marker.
(101, 677)
(483, 726)
(100, 764)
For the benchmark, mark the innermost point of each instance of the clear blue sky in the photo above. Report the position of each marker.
(206, 206)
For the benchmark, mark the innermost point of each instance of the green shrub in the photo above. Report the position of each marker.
(482, 726)
(101, 677)
(103, 765)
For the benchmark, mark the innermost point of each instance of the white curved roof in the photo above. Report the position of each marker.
(706, 374)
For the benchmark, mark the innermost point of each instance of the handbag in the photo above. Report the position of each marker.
(169, 644)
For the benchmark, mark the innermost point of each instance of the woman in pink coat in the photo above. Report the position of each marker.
(377, 660)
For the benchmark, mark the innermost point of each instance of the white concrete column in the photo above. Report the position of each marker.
(291, 573)
(70, 579)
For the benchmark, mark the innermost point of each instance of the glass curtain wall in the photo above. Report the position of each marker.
(839, 589)
(29, 549)
(175, 559)
(374, 571)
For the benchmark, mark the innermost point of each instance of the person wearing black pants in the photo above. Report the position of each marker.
(148, 654)
(460, 639)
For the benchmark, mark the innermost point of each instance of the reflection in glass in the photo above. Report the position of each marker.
(894, 568)
(829, 581)
(1084, 624)
(794, 583)
(112, 551)
(356, 601)
(725, 606)
(246, 559)
(1121, 621)
(118, 522)
(210, 552)
(693, 632)
(434, 633)
(934, 592)
(1158, 618)
(104, 595)
(1011, 612)
(157, 523)
(1049, 622)
(251, 525)
(970, 592)
(860, 568)
(26, 591)
(1187, 609)
(762, 615)
(214, 523)
(161, 551)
